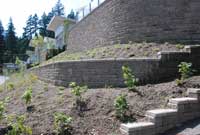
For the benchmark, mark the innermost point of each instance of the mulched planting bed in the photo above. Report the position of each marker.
(99, 116)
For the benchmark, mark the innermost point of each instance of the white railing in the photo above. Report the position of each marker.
(85, 10)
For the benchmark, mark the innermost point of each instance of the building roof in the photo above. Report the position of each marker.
(57, 21)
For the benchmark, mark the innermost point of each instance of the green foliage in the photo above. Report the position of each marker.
(46, 87)
(2, 109)
(21, 65)
(179, 46)
(61, 88)
(129, 78)
(121, 106)
(19, 127)
(27, 96)
(77, 90)
(185, 70)
(33, 77)
(10, 86)
(62, 123)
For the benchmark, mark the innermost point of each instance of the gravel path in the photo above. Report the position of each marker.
(189, 128)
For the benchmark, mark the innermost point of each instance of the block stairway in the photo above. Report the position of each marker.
(159, 121)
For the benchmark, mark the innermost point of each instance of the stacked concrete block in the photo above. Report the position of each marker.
(187, 108)
(161, 120)
(195, 93)
(140, 128)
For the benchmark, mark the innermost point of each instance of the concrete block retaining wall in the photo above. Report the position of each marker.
(101, 73)
(137, 20)
(160, 120)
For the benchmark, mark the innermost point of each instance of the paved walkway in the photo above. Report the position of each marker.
(189, 128)
(2, 79)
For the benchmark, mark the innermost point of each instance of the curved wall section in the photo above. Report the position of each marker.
(108, 72)
(137, 20)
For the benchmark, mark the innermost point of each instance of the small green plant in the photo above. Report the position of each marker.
(61, 88)
(77, 91)
(33, 77)
(156, 49)
(62, 124)
(20, 64)
(19, 127)
(46, 87)
(2, 110)
(10, 86)
(185, 70)
(121, 106)
(179, 46)
(27, 96)
(130, 80)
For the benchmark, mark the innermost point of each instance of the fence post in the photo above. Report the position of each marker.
(90, 6)
(83, 12)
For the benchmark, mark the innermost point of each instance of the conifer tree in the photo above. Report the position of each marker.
(11, 42)
(2, 43)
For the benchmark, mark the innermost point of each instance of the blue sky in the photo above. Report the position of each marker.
(19, 10)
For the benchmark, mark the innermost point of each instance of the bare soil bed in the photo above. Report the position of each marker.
(99, 117)
(118, 51)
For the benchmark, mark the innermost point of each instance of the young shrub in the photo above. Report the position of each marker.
(121, 106)
(77, 91)
(20, 64)
(62, 124)
(2, 110)
(185, 71)
(19, 127)
(180, 46)
(46, 87)
(10, 86)
(27, 96)
(130, 80)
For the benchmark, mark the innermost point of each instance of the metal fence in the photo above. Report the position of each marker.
(85, 10)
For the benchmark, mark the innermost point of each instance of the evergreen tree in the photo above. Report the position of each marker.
(2, 43)
(35, 22)
(43, 23)
(28, 29)
(11, 42)
(58, 9)
(71, 15)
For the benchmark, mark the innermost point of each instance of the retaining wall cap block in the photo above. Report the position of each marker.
(137, 126)
(184, 100)
(193, 90)
(161, 112)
